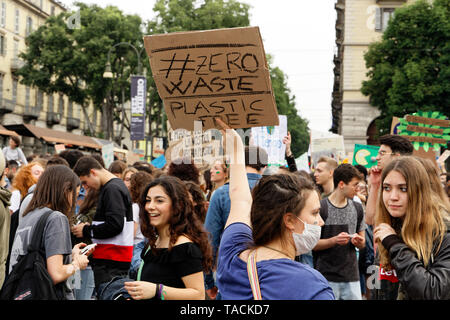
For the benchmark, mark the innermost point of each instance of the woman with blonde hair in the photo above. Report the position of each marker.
(412, 228)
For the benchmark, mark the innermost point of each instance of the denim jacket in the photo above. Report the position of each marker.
(217, 216)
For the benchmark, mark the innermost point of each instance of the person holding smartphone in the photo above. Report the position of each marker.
(56, 190)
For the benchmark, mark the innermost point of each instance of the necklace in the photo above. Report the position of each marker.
(283, 253)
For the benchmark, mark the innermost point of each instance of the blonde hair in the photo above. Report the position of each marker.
(331, 163)
(436, 186)
(423, 222)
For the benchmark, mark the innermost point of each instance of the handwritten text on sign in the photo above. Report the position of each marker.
(222, 73)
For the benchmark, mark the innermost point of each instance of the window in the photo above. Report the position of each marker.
(383, 15)
(2, 44)
(16, 21)
(14, 90)
(3, 14)
(53, 11)
(70, 110)
(2, 76)
(27, 97)
(39, 99)
(50, 103)
(29, 29)
(16, 50)
(61, 105)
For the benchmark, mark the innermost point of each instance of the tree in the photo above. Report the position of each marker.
(409, 69)
(184, 15)
(72, 61)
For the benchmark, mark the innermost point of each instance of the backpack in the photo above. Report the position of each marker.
(29, 278)
(12, 231)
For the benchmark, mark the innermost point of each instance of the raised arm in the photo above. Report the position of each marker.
(240, 196)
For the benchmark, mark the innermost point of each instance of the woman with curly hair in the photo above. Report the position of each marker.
(178, 249)
(25, 178)
(198, 199)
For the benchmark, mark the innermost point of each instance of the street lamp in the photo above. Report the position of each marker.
(108, 74)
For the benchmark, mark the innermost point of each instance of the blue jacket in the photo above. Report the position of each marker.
(217, 215)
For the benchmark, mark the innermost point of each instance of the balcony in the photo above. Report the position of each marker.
(16, 64)
(53, 118)
(72, 123)
(6, 106)
(30, 114)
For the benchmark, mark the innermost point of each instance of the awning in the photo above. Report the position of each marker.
(6, 132)
(54, 136)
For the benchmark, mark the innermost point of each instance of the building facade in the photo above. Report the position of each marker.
(20, 104)
(358, 24)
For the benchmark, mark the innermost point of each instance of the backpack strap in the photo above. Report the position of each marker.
(141, 266)
(38, 232)
(253, 275)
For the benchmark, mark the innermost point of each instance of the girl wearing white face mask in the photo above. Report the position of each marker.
(262, 236)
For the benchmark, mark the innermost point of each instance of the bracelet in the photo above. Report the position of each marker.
(160, 292)
(156, 290)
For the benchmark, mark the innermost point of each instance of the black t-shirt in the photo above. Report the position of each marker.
(339, 263)
(167, 267)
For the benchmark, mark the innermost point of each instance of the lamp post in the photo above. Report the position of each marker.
(109, 75)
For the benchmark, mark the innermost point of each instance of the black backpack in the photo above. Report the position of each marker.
(29, 278)
(12, 232)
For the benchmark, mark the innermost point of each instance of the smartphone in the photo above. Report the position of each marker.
(87, 248)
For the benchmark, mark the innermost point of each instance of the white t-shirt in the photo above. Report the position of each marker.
(139, 236)
(15, 200)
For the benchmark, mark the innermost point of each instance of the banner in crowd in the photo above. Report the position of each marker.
(108, 154)
(426, 130)
(365, 155)
(203, 75)
(326, 145)
(271, 139)
(138, 102)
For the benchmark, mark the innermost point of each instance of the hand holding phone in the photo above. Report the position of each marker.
(88, 248)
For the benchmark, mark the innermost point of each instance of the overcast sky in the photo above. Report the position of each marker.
(300, 36)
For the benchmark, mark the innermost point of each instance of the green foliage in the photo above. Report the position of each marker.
(72, 60)
(409, 69)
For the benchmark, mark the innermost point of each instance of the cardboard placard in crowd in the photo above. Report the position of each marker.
(202, 75)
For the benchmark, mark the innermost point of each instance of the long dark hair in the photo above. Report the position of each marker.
(183, 220)
(52, 190)
(273, 197)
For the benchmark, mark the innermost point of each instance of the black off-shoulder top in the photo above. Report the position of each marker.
(167, 267)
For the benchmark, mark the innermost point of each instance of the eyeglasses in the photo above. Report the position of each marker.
(382, 153)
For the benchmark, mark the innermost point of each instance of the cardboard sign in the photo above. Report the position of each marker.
(108, 154)
(426, 130)
(202, 75)
(365, 155)
(59, 148)
(271, 139)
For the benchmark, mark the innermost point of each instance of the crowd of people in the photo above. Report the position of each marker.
(231, 231)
